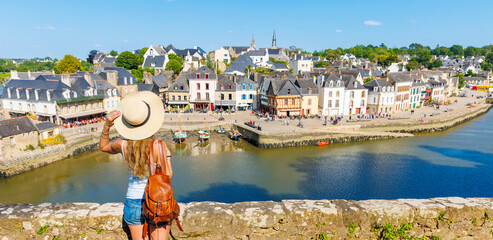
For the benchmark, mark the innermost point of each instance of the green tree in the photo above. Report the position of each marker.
(320, 64)
(113, 53)
(368, 79)
(85, 66)
(128, 60)
(92, 54)
(174, 65)
(462, 81)
(176, 57)
(457, 50)
(434, 64)
(68, 64)
(489, 57)
(471, 51)
(486, 66)
(143, 51)
(413, 64)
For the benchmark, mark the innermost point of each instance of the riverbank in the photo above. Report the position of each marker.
(355, 133)
(437, 218)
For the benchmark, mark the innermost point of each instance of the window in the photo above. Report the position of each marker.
(351, 94)
(251, 86)
(363, 94)
(173, 98)
(289, 90)
(207, 96)
(285, 102)
(206, 76)
(179, 98)
(206, 86)
(27, 94)
(230, 96)
(198, 96)
(309, 90)
(251, 96)
(185, 98)
(131, 90)
(198, 76)
(292, 101)
(125, 81)
(222, 96)
(198, 86)
(243, 86)
(337, 93)
(45, 108)
(126, 91)
(362, 103)
(230, 86)
(331, 84)
(330, 93)
(243, 96)
(351, 103)
(222, 86)
(330, 103)
(338, 83)
(310, 101)
(85, 106)
(181, 87)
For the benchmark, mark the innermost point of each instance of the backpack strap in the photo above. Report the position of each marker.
(155, 161)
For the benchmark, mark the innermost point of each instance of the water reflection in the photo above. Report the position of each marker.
(452, 163)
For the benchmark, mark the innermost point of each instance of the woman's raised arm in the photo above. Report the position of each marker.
(104, 142)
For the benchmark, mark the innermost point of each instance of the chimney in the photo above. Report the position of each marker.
(14, 74)
(147, 78)
(29, 74)
(112, 77)
(88, 78)
(66, 79)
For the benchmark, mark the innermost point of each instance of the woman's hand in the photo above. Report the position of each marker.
(112, 116)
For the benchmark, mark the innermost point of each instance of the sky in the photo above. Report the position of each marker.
(57, 27)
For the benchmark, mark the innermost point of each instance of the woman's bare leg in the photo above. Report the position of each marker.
(161, 232)
(136, 231)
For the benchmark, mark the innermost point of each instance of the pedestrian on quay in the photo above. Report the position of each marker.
(139, 117)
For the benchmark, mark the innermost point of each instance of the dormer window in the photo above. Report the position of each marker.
(206, 76)
(375, 89)
(331, 83)
(36, 94)
(125, 80)
(95, 92)
(181, 87)
(198, 76)
(9, 94)
(75, 94)
(243, 86)
(355, 84)
(176, 88)
(289, 90)
(222, 86)
(27, 94)
(109, 92)
(48, 96)
(251, 86)
(114, 92)
(230, 86)
(338, 83)
(132, 80)
(17, 93)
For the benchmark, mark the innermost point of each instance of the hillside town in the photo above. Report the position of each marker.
(270, 81)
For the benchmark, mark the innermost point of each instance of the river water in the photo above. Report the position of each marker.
(457, 162)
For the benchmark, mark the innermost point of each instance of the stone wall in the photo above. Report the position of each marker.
(438, 218)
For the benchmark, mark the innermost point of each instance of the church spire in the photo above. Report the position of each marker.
(274, 40)
(252, 45)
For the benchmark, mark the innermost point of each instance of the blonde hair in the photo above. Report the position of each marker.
(137, 156)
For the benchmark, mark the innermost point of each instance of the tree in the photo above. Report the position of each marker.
(68, 64)
(92, 54)
(434, 64)
(368, 79)
(128, 60)
(173, 65)
(413, 64)
(320, 64)
(176, 57)
(457, 50)
(424, 56)
(143, 51)
(462, 81)
(471, 74)
(85, 66)
(113, 53)
(489, 57)
(471, 51)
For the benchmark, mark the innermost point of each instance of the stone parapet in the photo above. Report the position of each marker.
(437, 218)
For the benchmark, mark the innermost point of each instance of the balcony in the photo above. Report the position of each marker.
(201, 100)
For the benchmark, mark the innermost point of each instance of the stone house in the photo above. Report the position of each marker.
(225, 93)
(381, 96)
(178, 93)
(309, 92)
(402, 85)
(47, 132)
(123, 80)
(17, 134)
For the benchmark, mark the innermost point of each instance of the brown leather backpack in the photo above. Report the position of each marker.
(160, 204)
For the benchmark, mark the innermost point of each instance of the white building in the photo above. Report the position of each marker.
(355, 96)
(202, 85)
(246, 94)
(301, 63)
(222, 55)
(418, 87)
(331, 95)
(402, 85)
(381, 96)
(154, 51)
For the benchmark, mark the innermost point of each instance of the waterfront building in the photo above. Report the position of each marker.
(48, 132)
(437, 90)
(202, 85)
(284, 98)
(111, 96)
(178, 93)
(16, 134)
(331, 95)
(246, 94)
(417, 90)
(120, 78)
(160, 81)
(226, 95)
(355, 96)
(27, 75)
(381, 96)
(402, 85)
(309, 93)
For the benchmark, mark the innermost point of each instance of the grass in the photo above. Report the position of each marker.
(352, 228)
(441, 216)
(42, 229)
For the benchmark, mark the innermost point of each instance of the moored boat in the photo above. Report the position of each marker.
(204, 135)
(180, 137)
(234, 135)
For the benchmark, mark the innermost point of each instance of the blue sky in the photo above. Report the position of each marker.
(55, 28)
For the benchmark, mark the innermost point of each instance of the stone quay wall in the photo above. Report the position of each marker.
(437, 218)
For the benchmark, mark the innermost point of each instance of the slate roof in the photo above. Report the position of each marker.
(158, 49)
(399, 77)
(102, 87)
(376, 83)
(148, 87)
(160, 80)
(54, 86)
(305, 86)
(280, 87)
(158, 61)
(256, 53)
(280, 66)
(350, 82)
(239, 49)
(240, 64)
(202, 71)
(179, 85)
(15, 126)
(225, 80)
(42, 126)
(301, 57)
(122, 73)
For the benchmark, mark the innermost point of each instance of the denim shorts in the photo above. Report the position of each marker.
(132, 213)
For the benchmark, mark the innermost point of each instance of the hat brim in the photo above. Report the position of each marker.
(150, 127)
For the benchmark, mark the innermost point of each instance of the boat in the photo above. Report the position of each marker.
(204, 135)
(322, 143)
(234, 135)
(180, 136)
(221, 131)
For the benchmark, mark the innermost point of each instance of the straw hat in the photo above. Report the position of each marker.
(142, 116)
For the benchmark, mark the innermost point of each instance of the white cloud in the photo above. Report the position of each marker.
(125, 40)
(412, 21)
(372, 23)
(46, 28)
(338, 30)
